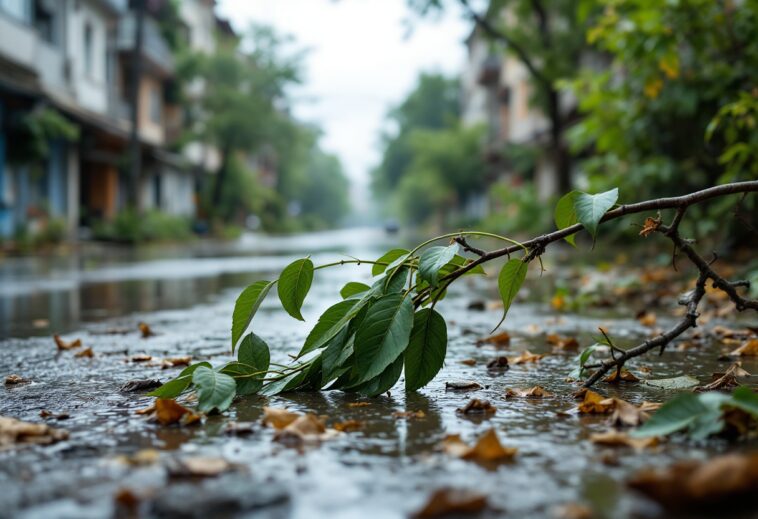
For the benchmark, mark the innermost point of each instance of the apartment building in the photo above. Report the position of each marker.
(76, 58)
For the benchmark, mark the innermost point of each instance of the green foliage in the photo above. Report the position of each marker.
(294, 284)
(509, 282)
(432, 261)
(565, 214)
(675, 67)
(246, 306)
(353, 288)
(36, 131)
(591, 208)
(129, 226)
(426, 349)
(698, 414)
(215, 390)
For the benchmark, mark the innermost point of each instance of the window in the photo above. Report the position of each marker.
(19, 9)
(88, 50)
(156, 104)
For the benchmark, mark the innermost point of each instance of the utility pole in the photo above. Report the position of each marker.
(135, 148)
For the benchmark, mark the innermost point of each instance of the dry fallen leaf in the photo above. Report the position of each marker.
(126, 503)
(87, 352)
(140, 385)
(726, 380)
(447, 502)
(145, 330)
(724, 481)
(462, 385)
(499, 362)
(595, 403)
(562, 343)
(486, 449)
(572, 511)
(629, 415)
(408, 415)
(650, 226)
(168, 412)
(532, 392)
(198, 466)
(239, 428)
(647, 318)
(501, 339)
(44, 413)
(359, 404)
(63, 345)
(622, 439)
(748, 349)
(728, 333)
(15, 432)
(349, 426)
(13, 380)
(526, 356)
(140, 458)
(469, 362)
(141, 357)
(625, 375)
(306, 429)
(172, 362)
(476, 406)
(278, 418)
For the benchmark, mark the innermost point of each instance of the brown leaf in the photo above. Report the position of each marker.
(239, 428)
(499, 362)
(595, 403)
(146, 410)
(172, 362)
(198, 466)
(650, 226)
(145, 330)
(359, 404)
(622, 439)
(625, 375)
(408, 415)
(349, 426)
(168, 412)
(140, 385)
(63, 345)
(562, 343)
(452, 502)
(278, 418)
(141, 357)
(526, 356)
(726, 380)
(723, 481)
(469, 362)
(730, 333)
(748, 349)
(14, 380)
(15, 432)
(140, 458)
(462, 385)
(501, 339)
(48, 414)
(476, 406)
(486, 449)
(629, 415)
(307, 428)
(572, 511)
(126, 503)
(532, 392)
(647, 318)
(87, 352)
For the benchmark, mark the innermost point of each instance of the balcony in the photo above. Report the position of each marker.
(154, 47)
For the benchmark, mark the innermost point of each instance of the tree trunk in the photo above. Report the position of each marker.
(560, 155)
(221, 177)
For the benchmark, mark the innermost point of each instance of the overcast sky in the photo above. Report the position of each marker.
(361, 62)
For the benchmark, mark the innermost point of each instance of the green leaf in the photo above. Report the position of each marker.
(678, 413)
(330, 323)
(388, 258)
(383, 335)
(352, 288)
(426, 349)
(582, 359)
(247, 304)
(509, 282)
(432, 260)
(395, 281)
(280, 385)
(174, 388)
(294, 284)
(214, 390)
(746, 399)
(591, 208)
(460, 261)
(335, 355)
(382, 383)
(254, 352)
(565, 214)
(248, 378)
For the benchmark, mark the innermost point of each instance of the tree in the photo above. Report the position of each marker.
(433, 104)
(325, 193)
(240, 107)
(677, 109)
(548, 38)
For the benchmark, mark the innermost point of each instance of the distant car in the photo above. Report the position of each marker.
(391, 227)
